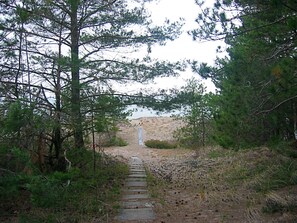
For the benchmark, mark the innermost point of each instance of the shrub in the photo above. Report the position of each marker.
(54, 190)
(116, 141)
(159, 144)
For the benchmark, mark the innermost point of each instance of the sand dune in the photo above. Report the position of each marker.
(160, 128)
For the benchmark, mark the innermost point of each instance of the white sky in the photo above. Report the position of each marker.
(182, 48)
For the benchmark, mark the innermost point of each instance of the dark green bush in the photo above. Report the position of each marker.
(13, 162)
(54, 190)
(159, 144)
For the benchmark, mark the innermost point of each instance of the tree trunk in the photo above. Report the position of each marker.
(20, 63)
(203, 128)
(57, 128)
(75, 84)
(295, 120)
(41, 152)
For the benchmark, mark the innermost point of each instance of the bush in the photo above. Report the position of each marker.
(119, 142)
(116, 141)
(158, 144)
(13, 162)
(54, 190)
(10, 185)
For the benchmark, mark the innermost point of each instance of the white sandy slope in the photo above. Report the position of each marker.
(158, 128)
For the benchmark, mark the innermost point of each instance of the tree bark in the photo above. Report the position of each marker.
(295, 120)
(57, 128)
(75, 82)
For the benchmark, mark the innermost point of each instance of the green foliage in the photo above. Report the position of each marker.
(56, 189)
(159, 144)
(116, 141)
(13, 162)
(79, 157)
(195, 114)
(256, 102)
(48, 218)
(14, 159)
(81, 191)
(10, 184)
(17, 117)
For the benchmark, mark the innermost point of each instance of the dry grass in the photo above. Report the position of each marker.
(234, 184)
(213, 184)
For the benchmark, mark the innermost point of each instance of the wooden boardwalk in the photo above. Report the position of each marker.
(136, 205)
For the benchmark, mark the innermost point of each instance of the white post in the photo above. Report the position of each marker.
(140, 140)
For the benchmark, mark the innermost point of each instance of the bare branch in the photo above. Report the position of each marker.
(276, 106)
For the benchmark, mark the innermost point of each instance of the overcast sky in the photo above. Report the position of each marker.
(182, 48)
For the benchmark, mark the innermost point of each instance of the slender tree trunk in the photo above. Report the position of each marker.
(93, 138)
(203, 128)
(28, 70)
(16, 90)
(57, 128)
(41, 152)
(75, 84)
(295, 120)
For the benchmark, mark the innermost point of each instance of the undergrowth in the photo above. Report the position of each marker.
(79, 195)
(159, 144)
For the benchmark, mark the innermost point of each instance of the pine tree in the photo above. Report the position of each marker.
(73, 45)
(195, 114)
(256, 81)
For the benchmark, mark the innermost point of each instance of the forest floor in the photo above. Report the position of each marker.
(216, 185)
